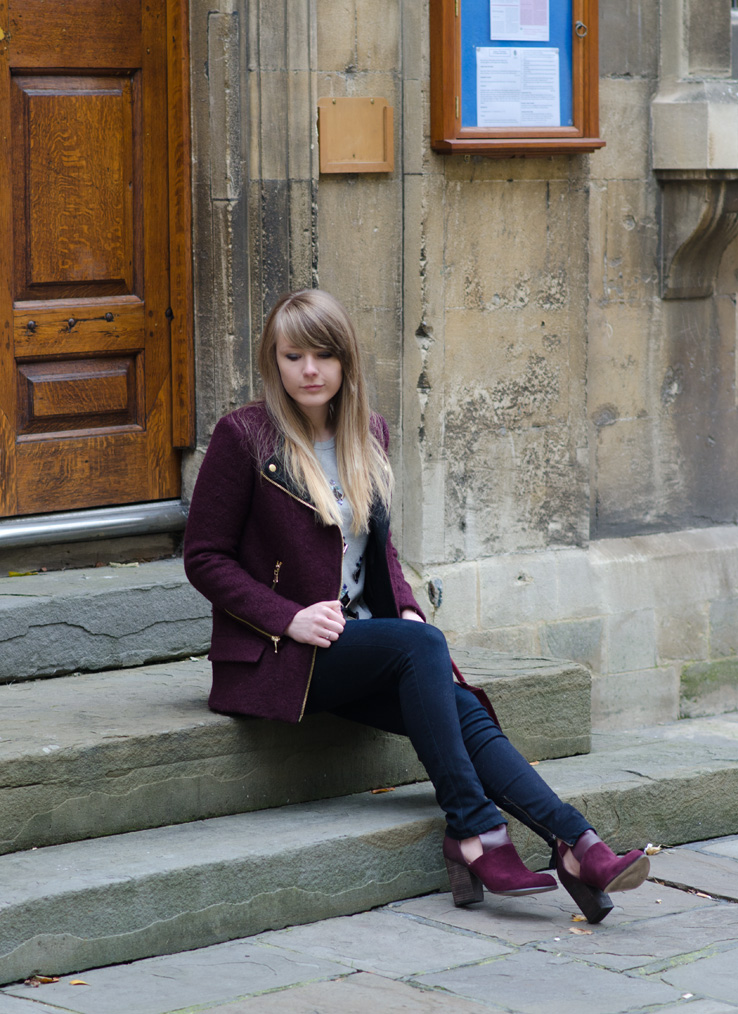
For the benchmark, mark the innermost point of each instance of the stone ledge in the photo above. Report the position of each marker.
(99, 618)
(160, 891)
(104, 753)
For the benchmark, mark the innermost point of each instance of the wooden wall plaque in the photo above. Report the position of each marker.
(356, 135)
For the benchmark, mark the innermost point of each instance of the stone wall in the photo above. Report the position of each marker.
(542, 394)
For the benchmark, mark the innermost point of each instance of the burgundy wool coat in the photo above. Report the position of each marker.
(255, 547)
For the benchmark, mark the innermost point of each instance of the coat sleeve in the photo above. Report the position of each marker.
(402, 590)
(220, 504)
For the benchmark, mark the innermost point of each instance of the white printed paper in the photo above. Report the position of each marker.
(518, 87)
(519, 20)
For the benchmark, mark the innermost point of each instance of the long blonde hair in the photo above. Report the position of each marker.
(313, 319)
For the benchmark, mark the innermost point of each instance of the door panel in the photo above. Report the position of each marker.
(74, 188)
(85, 336)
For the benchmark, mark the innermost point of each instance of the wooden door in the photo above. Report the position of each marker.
(92, 210)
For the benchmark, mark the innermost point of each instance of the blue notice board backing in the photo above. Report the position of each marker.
(476, 32)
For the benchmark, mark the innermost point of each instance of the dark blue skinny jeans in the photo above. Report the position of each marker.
(396, 675)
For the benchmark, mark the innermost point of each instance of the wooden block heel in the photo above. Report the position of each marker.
(465, 887)
(593, 903)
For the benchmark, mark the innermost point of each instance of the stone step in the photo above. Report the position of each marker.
(104, 753)
(99, 618)
(69, 907)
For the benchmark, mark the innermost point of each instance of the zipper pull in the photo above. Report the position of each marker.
(275, 641)
(276, 574)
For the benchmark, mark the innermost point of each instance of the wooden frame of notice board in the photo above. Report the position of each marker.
(487, 93)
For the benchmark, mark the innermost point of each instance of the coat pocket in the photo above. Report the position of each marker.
(241, 650)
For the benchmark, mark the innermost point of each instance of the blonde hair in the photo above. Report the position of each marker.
(313, 319)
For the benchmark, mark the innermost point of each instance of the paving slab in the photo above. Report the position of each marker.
(712, 874)
(14, 1005)
(652, 943)
(312, 969)
(547, 917)
(356, 994)
(690, 1006)
(99, 618)
(715, 977)
(526, 982)
(383, 943)
(205, 976)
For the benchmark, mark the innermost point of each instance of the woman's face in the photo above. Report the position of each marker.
(311, 377)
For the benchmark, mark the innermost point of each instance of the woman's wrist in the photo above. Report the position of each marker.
(411, 614)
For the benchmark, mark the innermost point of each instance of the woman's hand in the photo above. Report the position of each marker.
(319, 624)
(410, 614)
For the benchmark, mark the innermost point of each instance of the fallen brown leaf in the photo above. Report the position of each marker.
(40, 980)
(375, 792)
(652, 850)
(78, 982)
(580, 932)
(579, 918)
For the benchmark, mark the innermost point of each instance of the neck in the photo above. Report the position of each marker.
(323, 426)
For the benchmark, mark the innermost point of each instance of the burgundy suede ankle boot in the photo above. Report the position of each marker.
(600, 871)
(500, 869)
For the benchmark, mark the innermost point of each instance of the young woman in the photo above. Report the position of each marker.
(288, 537)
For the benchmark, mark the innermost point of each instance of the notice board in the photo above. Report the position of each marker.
(514, 77)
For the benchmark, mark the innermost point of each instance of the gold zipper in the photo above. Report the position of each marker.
(340, 570)
(315, 650)
(274, 638)
(279, 486)
(277, 568)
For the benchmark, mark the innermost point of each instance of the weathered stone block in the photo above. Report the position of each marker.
(628, 33)
(273, 20)
(460, 605)
(412, 137)
(414, 40)
(517, 589)
(580, 640)
(79, 620)
(625, 124)
(625, 487)
(378, 35)
(518, 641)
(303, 137)
(709, 688)
(274, 125)
(337, 43)
(542, 704)
(619, 385)
(139, 748)
(224, 72)
(634, 699)
(300, 30)
(630, 641)
(682, 634)
(724, 627)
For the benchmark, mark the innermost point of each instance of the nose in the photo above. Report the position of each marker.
(310, 366)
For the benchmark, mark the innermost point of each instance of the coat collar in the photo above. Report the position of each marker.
(273, 471)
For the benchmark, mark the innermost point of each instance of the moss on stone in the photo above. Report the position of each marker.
(703, 677)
